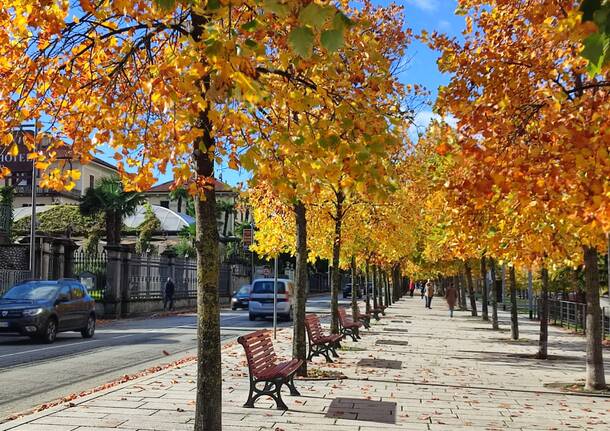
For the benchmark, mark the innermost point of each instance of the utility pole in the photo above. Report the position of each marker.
(530, 294)
(275, 269)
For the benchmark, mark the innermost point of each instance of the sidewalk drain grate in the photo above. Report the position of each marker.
(400, 321)
(362, 410)
(380, 363)
(392, 342)
(395, 330)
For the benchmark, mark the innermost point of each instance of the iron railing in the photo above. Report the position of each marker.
(572, 315)
(147, 276)
(92, 266)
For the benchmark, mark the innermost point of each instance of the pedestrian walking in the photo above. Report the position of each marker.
(422, 289)
(411, 287)
(168, 294)
(429, 293)
(451, 296)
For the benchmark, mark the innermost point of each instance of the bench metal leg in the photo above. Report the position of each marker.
(333, 350)
(293, 389)
(320, 350)
(271, 389)
(349, 333)
(279, 403)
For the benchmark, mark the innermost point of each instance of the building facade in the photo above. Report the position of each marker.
(21, 176)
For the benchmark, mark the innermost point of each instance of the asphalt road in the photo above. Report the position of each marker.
(32, 374)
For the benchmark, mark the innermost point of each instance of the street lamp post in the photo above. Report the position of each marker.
(275, 267)
(33, 201)
(530, 292)
(33, 219)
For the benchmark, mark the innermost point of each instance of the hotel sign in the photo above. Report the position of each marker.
(20, 162)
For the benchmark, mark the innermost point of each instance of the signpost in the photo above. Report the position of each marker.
(247, 239)
(275, 298)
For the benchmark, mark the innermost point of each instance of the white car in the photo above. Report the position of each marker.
(261, 299)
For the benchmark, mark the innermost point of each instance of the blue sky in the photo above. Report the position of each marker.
(419, 15)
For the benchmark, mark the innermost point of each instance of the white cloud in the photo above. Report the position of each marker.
(426, 5)
(444, 25)
(422, 121)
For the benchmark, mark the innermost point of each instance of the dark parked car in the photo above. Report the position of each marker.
(241, 298)
(347, 290)
(41, 309)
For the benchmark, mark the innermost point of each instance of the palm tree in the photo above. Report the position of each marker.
(109, 197)
(180, 194)
(227, 208)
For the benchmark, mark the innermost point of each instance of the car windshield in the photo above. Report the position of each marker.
(32, 292)
(267, 287)
(244, 290)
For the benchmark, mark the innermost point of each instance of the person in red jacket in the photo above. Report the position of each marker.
(451, 296)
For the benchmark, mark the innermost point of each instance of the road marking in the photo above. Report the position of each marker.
(66, 345)
(224, 318)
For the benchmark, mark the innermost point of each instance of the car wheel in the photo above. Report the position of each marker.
(251, 317)
(49, 332)
(89, 330)
(233, 308)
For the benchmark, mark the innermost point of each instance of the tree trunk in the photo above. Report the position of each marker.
(334, 307)
(110, 228)
(208, 415)
(386, 291)
(366, 289)
(462, 281)
(494, 295)
(379, 288)
(299, 343)
(354, 287)
(208, 408)
(375, 287)
(485, 295)
(514, 317)
(396, 285)
(595, 378)
(473, 300)
(543, 312)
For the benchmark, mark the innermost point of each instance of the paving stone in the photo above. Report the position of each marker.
(429, 372)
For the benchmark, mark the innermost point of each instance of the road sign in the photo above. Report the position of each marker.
(247, 238)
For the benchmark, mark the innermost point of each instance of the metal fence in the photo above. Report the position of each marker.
(91, 266)
(147, 276)
(572, 315)
(8, 278)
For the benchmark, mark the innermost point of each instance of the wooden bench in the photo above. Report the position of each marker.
(348, 326)
(265, 369)
(319, 342)
(376, 312)
(365, 318)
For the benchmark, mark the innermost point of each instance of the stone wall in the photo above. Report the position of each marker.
(15, 257)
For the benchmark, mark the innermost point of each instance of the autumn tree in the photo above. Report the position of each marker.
(531, 122)
(159, 83)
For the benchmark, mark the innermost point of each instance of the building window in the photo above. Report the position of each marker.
(91, 181)
(165, 204)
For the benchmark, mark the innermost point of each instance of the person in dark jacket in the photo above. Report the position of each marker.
(168, 296)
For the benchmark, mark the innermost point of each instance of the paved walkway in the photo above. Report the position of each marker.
(415, 370)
